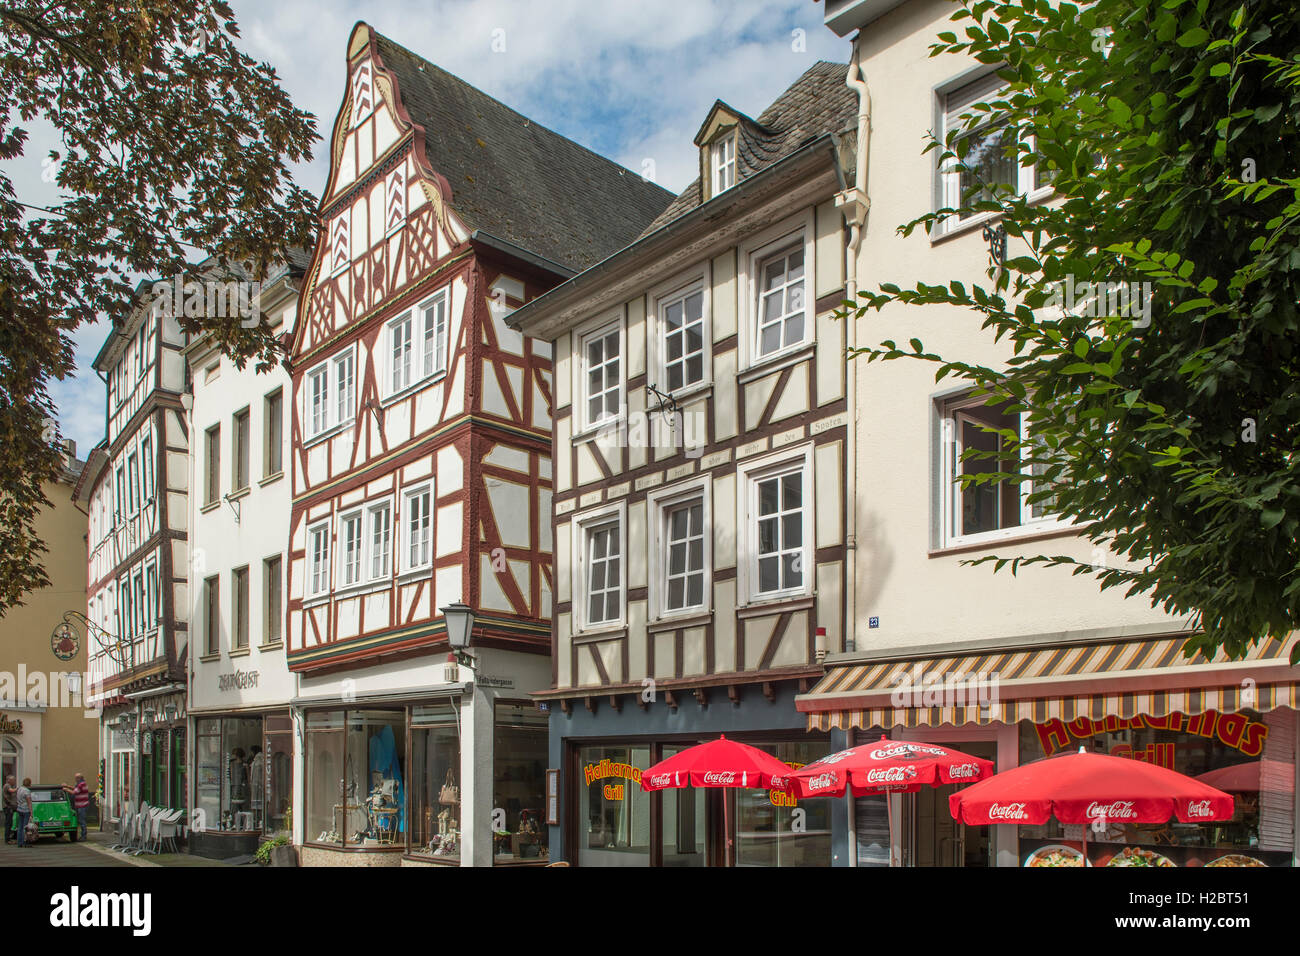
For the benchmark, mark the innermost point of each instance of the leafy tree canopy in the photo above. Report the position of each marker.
(172, 142)
(1169, 434)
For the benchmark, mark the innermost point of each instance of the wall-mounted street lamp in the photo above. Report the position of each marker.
(126, 721)
(460, 631)
(170, 711)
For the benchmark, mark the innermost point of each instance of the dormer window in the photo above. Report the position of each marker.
(724, 163)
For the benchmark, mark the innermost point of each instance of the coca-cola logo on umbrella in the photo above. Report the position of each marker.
(1118, 810)
(1008, 811)
(907, 752)
(720, 778)
(661, 780)
(963, 771)
(823, 781)
(891, 774)
(1200, 808)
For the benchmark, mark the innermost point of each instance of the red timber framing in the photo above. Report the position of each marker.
(475, 430)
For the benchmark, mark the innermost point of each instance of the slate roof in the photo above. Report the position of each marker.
(817, 103)
(517, 180)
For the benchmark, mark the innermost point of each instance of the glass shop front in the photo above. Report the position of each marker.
(619, 824)
(243, 773)
(388, 779)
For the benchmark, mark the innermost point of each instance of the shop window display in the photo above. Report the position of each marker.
(278, 771)
(356, 793)
(1246, 754)
(230, 763)
(519, 783)
(435, 782)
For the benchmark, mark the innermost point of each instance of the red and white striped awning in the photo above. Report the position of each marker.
(1127, 678)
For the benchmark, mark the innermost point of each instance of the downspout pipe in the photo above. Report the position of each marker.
(854, 204)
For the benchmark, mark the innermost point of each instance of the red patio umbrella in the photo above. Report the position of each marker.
(718, 763)
(1083, 787)
(1239, 778)
(1086, 788)
(886, 766)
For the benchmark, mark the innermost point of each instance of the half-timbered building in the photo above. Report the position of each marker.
(700, 431)
(420, 462)
(135, 489)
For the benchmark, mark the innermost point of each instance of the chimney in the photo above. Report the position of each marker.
(70, 448)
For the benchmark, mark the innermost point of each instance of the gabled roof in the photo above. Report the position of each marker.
(516, 180)
(817, 103)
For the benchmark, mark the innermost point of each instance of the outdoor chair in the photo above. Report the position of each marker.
(169, 829)
(123, 824)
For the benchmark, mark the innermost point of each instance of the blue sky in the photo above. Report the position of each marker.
(629, 79)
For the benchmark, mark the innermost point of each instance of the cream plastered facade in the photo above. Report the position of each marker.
(907, 576)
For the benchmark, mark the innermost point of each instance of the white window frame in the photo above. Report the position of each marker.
(427, 354)
(722, 163)
(408, 495)
(696, 280)
(374, 509)
(947, 183)
(345, 556)
(349, 356)
(580, 526)
(332, 420)
(659, 503)
(752, 256)
(748, 475)
(947, 408)
(315, 566)
(609, 323)
(391, 332)
(436, 363)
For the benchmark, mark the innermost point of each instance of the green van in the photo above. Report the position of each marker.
(52, 812)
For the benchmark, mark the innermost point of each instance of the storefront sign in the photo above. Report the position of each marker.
(612, 791)
(1162, 755)
(239, 680)
(1232, 730)
(8, 726)
(485, 681)
(779, 798)
(607, 768)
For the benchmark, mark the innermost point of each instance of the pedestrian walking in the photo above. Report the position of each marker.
(80, 802)
(11, 805)
(24, 808)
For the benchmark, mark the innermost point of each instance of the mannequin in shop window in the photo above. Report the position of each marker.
(256, 784)
(238, 771)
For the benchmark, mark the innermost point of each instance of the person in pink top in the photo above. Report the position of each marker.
(80, 802)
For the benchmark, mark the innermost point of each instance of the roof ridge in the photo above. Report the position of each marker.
(528, 120)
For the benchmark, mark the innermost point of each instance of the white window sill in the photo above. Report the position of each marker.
(364, 587)
(413, 574)
(315, 600)
(394, 397)
(1044, 528)
(604, 629)
(979, 220)
(790, 355)
(687, 617)
(774, 601)
(328, 433)
(591, 432)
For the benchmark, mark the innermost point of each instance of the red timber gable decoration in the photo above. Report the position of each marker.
(420, 430)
